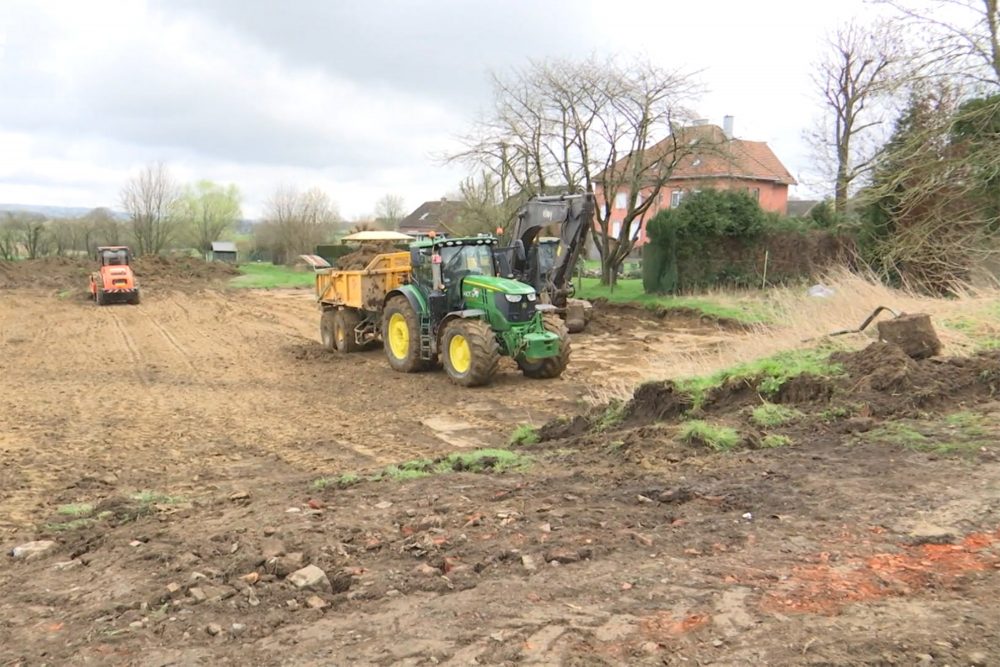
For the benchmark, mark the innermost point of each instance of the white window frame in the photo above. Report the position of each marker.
(621, 201)
(676, 197)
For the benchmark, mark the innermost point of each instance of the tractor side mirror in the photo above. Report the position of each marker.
(416, 258)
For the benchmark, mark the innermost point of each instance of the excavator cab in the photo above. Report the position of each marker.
(114, 282)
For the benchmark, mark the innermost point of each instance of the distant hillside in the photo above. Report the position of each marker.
(50, 211)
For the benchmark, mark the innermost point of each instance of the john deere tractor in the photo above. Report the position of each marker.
(443, 302)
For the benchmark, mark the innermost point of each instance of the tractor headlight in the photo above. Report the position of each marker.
(532, 296)
(513, 298)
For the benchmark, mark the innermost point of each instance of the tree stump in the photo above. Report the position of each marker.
(913, 333)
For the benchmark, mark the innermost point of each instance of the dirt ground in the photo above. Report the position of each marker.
(187, 455)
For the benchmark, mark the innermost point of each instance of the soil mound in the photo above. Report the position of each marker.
(363, 256)
(616, 318)
(72, 273)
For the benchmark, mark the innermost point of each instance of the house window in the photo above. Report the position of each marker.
(616, 229)
(621, 200)
(754, 192)
(638, 199)
(676, 197)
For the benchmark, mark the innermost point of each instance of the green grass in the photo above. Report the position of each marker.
(630, 291)
(270, 276)
(76, 509)
(719, 438)
(968, 423)
(768, 374)
(525, 434)
(477, 461)
(612, 416)
(898, 433)
(75, 524)
(774, 440)
(154, 498)
(769, 415)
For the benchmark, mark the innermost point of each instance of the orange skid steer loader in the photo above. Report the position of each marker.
(114, 282)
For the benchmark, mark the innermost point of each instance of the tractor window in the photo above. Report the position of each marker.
(460, 261)
(114, 258)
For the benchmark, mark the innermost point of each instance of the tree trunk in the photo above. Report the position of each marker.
(914, 333)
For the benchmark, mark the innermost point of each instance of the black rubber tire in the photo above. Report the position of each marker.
(550, 367)
(100, 298)
(344, 323)
(136, 299)
(484, 349)
(326, 334)
(411, 363)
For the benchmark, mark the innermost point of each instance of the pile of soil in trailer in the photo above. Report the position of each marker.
(72, 273)
(363, 256)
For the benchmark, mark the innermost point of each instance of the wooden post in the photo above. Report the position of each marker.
(763, 281)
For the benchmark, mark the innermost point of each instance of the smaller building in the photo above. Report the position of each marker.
(224, 251)
(440, 217)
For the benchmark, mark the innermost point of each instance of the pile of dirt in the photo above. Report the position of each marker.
(880, 381)
(153, 270)
(72, 273)
(615, 318)
(46, 273)
(363, 256)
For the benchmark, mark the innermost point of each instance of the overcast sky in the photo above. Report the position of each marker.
(357, 98)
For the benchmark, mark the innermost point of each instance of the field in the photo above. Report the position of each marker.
(186, 456)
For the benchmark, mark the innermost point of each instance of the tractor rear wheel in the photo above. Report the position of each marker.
(344, 323)
(470, 352)
(549, 367)
(326, 334)
(401, 336)
(100, 297)
(135, 298)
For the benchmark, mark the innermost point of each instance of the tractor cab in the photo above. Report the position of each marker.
(114, 256)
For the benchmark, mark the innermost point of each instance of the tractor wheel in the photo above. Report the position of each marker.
(549, 367)
(401, 336)
(100, 298)
(344, 323)
(470, 352)
(135, 298)
(326, 330)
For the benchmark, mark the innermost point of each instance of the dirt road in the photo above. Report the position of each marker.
(172, 451)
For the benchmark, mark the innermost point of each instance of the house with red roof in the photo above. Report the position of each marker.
(708, 156)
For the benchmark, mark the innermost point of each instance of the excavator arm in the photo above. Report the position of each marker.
(573, 214)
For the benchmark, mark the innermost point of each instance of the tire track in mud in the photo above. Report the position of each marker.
(172, 342)
(135, 357)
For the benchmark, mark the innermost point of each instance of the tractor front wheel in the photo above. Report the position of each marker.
(549, 367)
(401, 336)
(470, 352)
(344, 323)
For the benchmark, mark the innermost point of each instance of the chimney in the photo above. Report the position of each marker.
(727, 126)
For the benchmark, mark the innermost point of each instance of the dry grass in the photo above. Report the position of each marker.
(965, 323)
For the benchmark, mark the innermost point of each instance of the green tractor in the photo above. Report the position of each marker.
(445, 305)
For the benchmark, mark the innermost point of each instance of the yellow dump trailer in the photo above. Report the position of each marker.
(352, 300)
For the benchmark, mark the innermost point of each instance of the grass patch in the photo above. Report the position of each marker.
(774, 440)
(76, 509)
(900, 434)
(477, 461)
(835, 413)
(719, 438)
(769, 415)
(612, 416)
(484, 460)
(154, 498)
(269, 276)
(524, 434)
(629, 290)
(75, 524)
(968, 423)
(769, 374)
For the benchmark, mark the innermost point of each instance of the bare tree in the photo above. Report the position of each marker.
(589, 125)
(389, 210)
(856, 77)
(101, 227)
(961, 37)
(9, 243)
(27, 233)
(486, 208)
(294, 223)
(209, 210)
(151, 200)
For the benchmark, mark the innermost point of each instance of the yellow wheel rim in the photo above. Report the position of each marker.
(340, 335)
(459, 353)
(399, 336)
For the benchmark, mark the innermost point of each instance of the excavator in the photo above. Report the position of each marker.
(114, 281)
(547, 262)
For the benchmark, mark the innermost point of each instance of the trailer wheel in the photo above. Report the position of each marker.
(401, 336)
(549, 367)
(470, 352)
(344, 323)
(326, 326)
